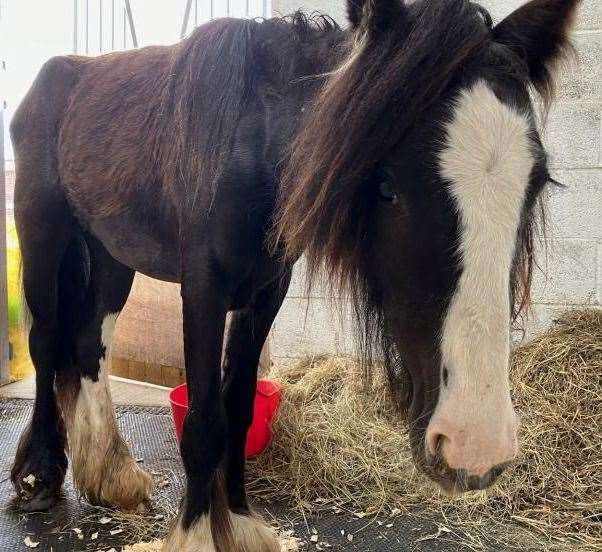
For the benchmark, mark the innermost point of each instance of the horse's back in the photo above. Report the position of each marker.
(112, 132)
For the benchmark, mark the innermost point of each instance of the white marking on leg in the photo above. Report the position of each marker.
(103, 469)
(252, 533)
(488, 160)
(249, 533)
(196, 539)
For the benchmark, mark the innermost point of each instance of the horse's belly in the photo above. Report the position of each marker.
(139, 248)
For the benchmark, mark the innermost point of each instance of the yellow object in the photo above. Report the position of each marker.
(20, 364)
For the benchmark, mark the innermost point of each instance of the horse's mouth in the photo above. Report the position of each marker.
(451, 481)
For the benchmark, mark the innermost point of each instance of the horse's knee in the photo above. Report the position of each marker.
(203, 444)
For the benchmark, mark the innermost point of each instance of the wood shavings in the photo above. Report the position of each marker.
(288, 543)
(29, 543)
(30, 480)
(152, 546)
(440, 530)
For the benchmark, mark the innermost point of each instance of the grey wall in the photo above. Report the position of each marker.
(574, 249)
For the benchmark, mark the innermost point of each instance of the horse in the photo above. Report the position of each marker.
(400, 155)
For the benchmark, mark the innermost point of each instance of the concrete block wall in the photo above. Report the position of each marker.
(572, 261)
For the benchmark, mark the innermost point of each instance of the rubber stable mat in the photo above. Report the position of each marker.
(148, 430)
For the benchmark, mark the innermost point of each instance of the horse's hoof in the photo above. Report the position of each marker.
(119, 483)
(252, 533)
(37, 474)
(37, 489)
(44, 501)
(243, 533)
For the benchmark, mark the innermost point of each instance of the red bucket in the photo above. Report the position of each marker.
(267, 399)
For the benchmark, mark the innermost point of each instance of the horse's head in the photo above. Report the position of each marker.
(414, 180)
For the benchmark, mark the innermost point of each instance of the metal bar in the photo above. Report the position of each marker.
(75, 26)
(265, 9)
(100, 26)
(196, 13)
(247, 8)
(211, 9)
(4, 344)
(124, 28)
(227, 8)
(87, 25)
(112, 24)
(186, 17)
(131, 21)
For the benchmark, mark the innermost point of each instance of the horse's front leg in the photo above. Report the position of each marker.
(248, 331)
(203, 524)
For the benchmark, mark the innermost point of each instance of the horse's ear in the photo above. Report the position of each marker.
(539, 33)
(374, 15)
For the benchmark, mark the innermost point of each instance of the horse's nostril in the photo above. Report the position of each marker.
(434, 442)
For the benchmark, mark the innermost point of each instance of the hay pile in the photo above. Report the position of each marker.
(338, 444)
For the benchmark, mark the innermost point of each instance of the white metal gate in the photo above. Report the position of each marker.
(107, 25)
(4, 346)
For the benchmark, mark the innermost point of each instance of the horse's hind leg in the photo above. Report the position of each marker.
(104, 471)
(45, 228)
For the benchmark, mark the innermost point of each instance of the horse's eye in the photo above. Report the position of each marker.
(388, 192)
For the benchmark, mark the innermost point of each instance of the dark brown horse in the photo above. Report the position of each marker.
(400, 154)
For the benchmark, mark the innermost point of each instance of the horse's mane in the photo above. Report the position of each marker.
(215, 75)
(307, 25)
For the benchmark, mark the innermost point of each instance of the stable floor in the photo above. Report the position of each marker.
(145, 422)
(125, 392)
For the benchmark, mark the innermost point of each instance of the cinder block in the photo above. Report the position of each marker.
(599, 275)
(540, 318)
(500, 9)
(590, 16)
(299, 283)
(335, 9)
(311, 327)
(575, 211)
(581, 79)
(568, 273)
(572, 135)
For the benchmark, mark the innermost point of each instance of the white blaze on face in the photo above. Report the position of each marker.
(487, 160)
